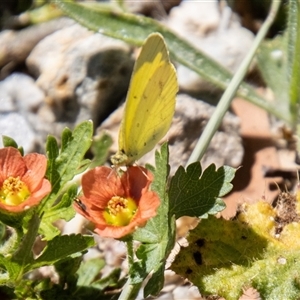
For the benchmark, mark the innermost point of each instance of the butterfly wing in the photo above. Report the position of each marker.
(150, 102)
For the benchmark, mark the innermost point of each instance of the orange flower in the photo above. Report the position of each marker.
(22, 182)
(117, 204)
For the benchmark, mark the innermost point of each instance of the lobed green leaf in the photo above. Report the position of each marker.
(62, 210)
(225, 256)
(195, 196)
(60, 247)
(64, 164)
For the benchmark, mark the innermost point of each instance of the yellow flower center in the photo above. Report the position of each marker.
(13, 191)
(119, 211)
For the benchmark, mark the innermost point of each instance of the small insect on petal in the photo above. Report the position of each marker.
(80, 204)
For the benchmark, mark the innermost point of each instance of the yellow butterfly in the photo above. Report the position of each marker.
(150, 102)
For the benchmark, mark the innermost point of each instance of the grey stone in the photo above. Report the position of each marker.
(84, 75)
(16, 126)
(19, 92)
(15, 46)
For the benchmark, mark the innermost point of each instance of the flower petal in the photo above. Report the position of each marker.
(33, 200)
(148, 205)
(135, 180)
(11, 163)
(92, 214)
(102, 183)
(36, 168)
(115, 232)
(31, 170)
(43, 191)
(99, 185)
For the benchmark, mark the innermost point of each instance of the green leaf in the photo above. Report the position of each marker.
(8, 268)
(40, 12)
(217, 243)
(64, 164)
(77, 281)
(10, 142)
(73, 147)
(161, 173)
(67, 268)
(195, 196)
(112, 280)
(61, 247)
(88, 288)
(89, 270)
(158, 236)
(272, 62)
(2, 233)
(63, 210)
(225, 256)
(293, 70)
(52, 153)
(135, 29)
(100, 148)
(48, 231)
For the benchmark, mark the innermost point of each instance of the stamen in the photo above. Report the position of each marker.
(116, 204)
(120, 211)
(13, 191)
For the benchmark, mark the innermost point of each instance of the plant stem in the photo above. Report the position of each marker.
(228, 95)
(130, 290)
(130, 252)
